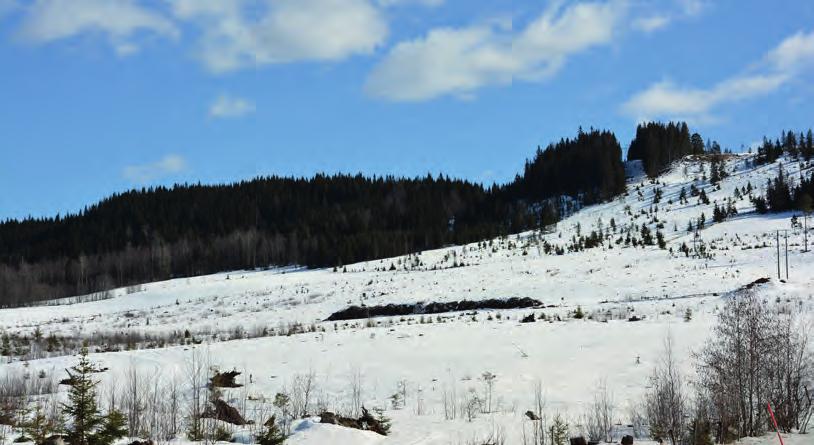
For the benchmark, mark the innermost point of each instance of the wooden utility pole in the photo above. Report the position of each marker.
(778, 254)
(787, 254)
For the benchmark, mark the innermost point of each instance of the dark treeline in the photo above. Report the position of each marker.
(657, 145)
(324, 221)
(783, 193)
(589, 167)
(789, 143)
(159, 233)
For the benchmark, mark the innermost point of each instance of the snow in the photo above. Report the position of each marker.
(309, 432)
(449, 355)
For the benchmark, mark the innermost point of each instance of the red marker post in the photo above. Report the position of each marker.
(771, 414)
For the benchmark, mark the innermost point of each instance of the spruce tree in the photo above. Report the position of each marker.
(88, 425)
(703, 197)
(39, 427)
(114, 427)
(647, 236)
(82, 409)
(718, 214)
(578, 314)
(558, 431)
(273, 435)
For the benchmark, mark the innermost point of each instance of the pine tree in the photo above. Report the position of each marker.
(272, 435)
(558, 432)
(760, 204)
(82, 402)
(697, 143)
(718, 214)
(384, 422)
(578, 314)
(715, 172)
(647, 236)
(39, 427)
(703, 197)
(114, 427)
(89, 426)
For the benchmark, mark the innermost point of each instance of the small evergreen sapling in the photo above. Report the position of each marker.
(272, 435)
(89, 426)
(578, 314)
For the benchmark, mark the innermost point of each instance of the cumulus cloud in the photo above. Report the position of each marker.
(459, 61)
(227, 106)
(50, 20)
(665, 99)
(284, 30)
(144, 173)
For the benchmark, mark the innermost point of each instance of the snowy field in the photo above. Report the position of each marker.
(445, 358)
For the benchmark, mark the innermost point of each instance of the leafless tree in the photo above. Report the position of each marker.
(757, 353)
(449, 399)
(488, 390)
(536, 418)
(303, 387)
(666, 401)
(196, 373)
(598, 420)
(173, 406)
(133, 402)
(471, 405)
(355, 389)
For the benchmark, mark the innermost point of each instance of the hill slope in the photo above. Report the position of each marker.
(439, 358)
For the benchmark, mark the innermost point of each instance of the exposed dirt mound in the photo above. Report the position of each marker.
(221, 410)
(390, 310)
(757, 282)
(367, 422)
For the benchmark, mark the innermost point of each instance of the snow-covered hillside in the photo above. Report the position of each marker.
(241, 319)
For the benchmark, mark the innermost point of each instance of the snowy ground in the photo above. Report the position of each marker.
(434, 360)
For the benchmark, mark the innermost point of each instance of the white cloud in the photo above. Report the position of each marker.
(50, 20)
(144, 173)
(458, 61)
(446, 61)
(667, 100)
(226, 106)
(284, 31)
(794, 53)
(652, 23)
(661, 15)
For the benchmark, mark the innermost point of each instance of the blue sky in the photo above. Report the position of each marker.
(99, 96)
